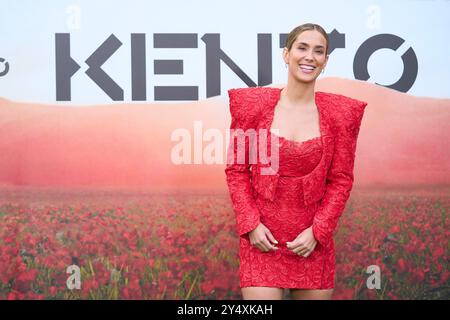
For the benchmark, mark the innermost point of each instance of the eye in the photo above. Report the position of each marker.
(319, 52)
(302, 48)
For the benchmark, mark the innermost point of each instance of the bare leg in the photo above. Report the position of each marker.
(306, 294)
(262, 293)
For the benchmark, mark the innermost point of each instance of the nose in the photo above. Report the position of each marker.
(309, 55)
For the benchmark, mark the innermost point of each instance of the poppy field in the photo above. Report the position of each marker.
(141, 245)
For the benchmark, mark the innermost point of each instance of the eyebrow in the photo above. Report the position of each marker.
(305, 44)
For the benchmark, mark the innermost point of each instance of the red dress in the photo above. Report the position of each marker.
(286, 217)
(310, 188)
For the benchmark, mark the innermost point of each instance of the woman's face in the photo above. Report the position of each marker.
(307, 56)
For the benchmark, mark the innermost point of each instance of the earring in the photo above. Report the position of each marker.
(286, 65)
(323, 70)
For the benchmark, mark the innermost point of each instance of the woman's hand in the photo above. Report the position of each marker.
(304, 244)
(262, 238)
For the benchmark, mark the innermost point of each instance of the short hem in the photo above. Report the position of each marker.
(284, 286)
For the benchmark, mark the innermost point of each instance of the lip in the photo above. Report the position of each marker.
(307, 65)
(307, 70)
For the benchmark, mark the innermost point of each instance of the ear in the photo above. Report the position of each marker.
(285, 55)
(326, 60)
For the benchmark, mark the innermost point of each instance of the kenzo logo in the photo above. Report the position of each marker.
(66, 66)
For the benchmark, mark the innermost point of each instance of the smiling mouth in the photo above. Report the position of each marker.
(306, 68)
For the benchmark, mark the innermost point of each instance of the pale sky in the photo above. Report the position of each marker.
(28, 27)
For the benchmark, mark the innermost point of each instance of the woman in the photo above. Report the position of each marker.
(287, 208)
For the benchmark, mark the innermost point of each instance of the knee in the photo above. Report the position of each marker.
(311, 294)
(262, 293)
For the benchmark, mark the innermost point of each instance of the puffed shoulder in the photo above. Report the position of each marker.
(245, 105)
(345, 110)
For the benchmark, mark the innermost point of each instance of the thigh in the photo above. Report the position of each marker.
(262, 293)
(311, 294)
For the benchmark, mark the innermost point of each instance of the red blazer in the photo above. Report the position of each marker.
(330, 182)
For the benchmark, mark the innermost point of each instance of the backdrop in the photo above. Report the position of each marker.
(113, 140)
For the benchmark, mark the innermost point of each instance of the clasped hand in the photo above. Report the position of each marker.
(303, 244)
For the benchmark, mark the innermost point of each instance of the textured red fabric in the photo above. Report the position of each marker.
(310, 187)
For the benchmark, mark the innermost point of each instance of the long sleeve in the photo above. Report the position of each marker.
(340, 175)
(238, 175)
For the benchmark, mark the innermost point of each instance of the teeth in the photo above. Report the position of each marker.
(307, 67)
